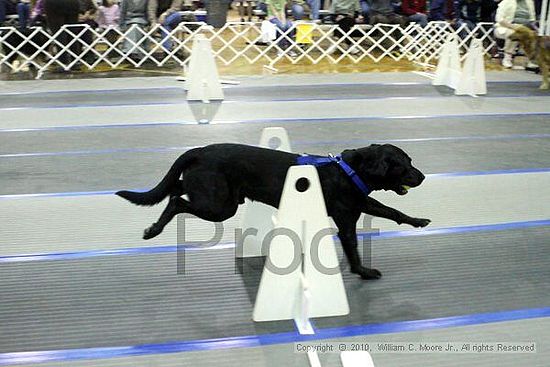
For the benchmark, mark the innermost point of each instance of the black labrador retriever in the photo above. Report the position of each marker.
(217, 178)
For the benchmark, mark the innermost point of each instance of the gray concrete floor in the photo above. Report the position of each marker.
(72, 136)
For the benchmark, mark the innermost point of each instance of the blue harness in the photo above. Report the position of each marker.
(317, 161)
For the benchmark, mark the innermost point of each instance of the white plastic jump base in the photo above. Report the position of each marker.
(302, 247)
(183, 78)
(472, 81)
(258, 216)
(203, 83)
(356, 359)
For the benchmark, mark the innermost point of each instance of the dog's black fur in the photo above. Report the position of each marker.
(217, 178)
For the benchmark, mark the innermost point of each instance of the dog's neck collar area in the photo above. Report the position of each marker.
(317, 161)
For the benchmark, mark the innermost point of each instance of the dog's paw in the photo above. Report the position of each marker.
(367, 273)
(419, 222)
(151, 232)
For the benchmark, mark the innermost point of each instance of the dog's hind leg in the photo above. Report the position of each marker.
(176, 205)
(210, 198)
(177, 190)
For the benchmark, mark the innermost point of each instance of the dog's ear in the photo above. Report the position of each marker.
(378, 168)
(352, 157)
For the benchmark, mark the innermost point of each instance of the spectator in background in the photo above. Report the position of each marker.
(7, 7)
(515, 12)
(87, 14)
(297, 8)
(276, 14)
(450, 11)
(159, 10)
(108, 17)
(469, 12)
(444, 10)
(165, 13)
(365, 8)
(314, 7)
(383, 11)
(487, 11)
(415, 11)
(108, 14)
(133, 12)
(59, 13)
(23, 12)
(346, 13)
(38, 14)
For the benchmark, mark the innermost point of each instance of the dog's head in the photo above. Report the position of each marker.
(384, 167)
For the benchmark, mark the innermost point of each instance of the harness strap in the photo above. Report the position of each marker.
(321, 161)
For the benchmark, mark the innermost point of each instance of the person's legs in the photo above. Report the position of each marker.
(421, 19)
(55, 22)
(345, 24)
(394, 18)
(132, 45)
(509, 50)
(315, 6)
(23, 12)
(262, 6)
(378, 18)
(169, 25)
(297, 11)
(283, 28)
(365, 9)
(6, 8)
(3, 11)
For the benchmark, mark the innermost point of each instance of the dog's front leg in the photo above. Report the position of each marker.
(377, 209)
(347, 233)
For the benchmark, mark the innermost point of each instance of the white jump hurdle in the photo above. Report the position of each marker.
(202, 82)
(448, 67)
(472, 81)
(301, 277)
(258, 216)
(467, 80)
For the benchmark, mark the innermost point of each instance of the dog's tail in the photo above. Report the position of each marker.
(164, 187)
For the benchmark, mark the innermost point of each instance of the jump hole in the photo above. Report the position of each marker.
(302, 184)
(274, 143)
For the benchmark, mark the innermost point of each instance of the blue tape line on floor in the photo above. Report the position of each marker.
(162, 91)
(298, 143)
(177, 89)
(249, 341)
(229, 245)
(274, 120)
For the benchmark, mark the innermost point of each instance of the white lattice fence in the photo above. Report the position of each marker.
(235, 42)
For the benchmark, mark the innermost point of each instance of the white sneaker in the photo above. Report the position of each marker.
(353, 50)
(507, 61)
(531, 65)
(332, 49)
(293, 54)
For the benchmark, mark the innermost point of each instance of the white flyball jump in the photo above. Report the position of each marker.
(256, 215)
(473, 80)
(468, 80)
(202, 82)
(301, 277)
(448, 67)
